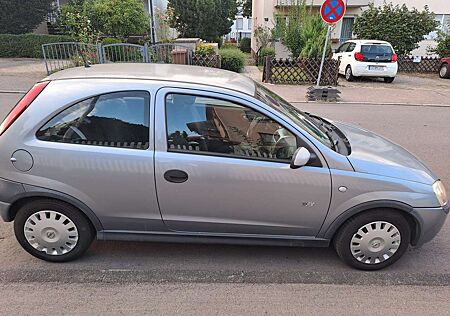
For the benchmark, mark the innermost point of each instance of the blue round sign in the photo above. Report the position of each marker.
(332, 10)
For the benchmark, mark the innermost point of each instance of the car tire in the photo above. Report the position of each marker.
(389, 79)
(373, 240)
(53, 231)
(444, 72)
(349, 74)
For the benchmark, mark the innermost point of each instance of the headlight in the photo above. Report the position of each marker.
(441, 195)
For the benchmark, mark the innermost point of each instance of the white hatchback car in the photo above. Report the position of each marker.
(367, 58)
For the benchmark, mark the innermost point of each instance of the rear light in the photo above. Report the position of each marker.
(394, 57)
(359, 56)
(22, 105)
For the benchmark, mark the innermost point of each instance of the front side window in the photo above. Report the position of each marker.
(118, 119)
(208, 125)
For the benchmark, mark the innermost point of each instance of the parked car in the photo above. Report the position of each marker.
(190, 154)
(444, 70)
(362, 58)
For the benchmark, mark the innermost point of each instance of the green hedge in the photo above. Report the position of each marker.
(232, 59)
(27, 45)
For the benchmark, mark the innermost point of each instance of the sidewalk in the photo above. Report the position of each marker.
(406, 90)
(19, 74)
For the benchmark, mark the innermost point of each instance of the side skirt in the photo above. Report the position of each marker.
(203, 238)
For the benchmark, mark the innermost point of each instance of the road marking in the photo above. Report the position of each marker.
(12, 92)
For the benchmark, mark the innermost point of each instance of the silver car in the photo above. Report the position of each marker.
(189, 154)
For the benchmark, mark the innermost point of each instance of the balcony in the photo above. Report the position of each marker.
(318, 3)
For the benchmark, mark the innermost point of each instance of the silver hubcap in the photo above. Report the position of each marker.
(51, 232)
(443, 71)
(375, 242)
(348, 73)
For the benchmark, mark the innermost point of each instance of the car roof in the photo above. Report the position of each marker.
(162, 72)
(362, 42)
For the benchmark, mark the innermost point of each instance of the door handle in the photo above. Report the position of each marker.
(175, 176)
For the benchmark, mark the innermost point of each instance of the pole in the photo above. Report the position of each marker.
(323, 56)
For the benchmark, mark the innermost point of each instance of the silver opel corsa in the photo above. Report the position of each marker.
(190, 154)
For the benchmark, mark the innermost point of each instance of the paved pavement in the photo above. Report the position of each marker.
(205, 279)
(221, 299)
(406, 89)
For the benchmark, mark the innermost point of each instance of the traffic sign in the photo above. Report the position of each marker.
(332, 11)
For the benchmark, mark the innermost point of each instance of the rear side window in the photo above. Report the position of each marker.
(351, 47)
(119, 119)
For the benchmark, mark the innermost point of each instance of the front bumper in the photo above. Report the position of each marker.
(430, 222)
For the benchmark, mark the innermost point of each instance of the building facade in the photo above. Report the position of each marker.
(266, 11)
(241, 28)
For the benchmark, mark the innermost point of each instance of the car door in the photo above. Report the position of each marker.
(347, 56)
(222, 165)
(339, 56)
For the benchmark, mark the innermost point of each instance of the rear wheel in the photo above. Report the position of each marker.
(373, 240)
(349, 74)
(389, 79)
(53, 231)
(444, 72)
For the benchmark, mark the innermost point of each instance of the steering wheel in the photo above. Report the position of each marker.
(74, 130)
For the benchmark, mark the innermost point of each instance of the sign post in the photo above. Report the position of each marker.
(332, 11)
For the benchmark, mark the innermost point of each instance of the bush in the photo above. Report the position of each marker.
(118, 18)
(27, 45)
(205, 49)
(267, 51)
(232, 59)
(246, 45)
(443, 44)
(402, 27)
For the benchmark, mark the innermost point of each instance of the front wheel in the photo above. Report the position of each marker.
(389, 79)
(444, 72)
(53, 231)
(373, 240)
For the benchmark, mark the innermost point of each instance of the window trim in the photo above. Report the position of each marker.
(69, 105)
(212, 154)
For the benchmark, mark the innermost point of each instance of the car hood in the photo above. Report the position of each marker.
(371, 153)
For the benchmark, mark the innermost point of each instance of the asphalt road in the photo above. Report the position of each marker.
(167, 278)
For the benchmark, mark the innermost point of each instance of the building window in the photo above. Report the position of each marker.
(250, 23)
(239, 23)
(347, 29)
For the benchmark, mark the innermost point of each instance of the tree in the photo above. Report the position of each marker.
(207, 19)
(118, 18)
(17, 17)
(73, 21)
(302, 31)
(247, 8)
(402, 27)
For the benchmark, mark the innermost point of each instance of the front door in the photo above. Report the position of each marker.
(222, 165)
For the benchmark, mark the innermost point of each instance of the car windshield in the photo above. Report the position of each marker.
(300, 118)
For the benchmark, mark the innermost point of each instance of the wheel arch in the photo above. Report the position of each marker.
(41, 194)
(403, 208)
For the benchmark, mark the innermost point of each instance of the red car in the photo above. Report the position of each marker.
(444, 71)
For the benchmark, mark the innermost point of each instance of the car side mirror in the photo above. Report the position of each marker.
(301, 158)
